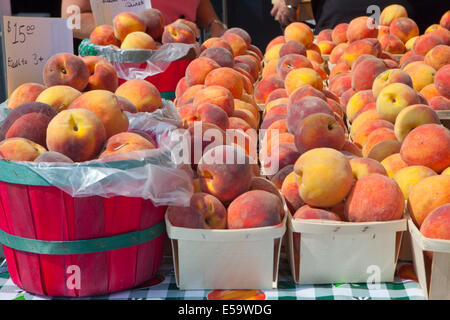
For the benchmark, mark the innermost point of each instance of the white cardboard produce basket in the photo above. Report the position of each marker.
(344, 252)
(433, 274)
(226, 259)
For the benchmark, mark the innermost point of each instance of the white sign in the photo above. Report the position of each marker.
(28, 43)
(105, 10)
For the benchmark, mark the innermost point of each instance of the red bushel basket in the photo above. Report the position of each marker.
(163, 67)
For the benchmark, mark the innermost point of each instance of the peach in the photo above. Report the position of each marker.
(276, 94)
(20, 149)
(103, 75)
(337, 52)
(408, 177)
(324, 35)
(445, 20)
(273, 53)
(144, 95)
(390, 76)
(339, 34)
(212, 114)
(346, 96)
(300, 77)
(427, 195)
(256, 50)
(247, 116)
(357, 102)
(127, 22)
(380, 144)
(66, 69)
(290, 62)
(125, 142)
(247, 141)
(425, 43)
(29, 121)
(204, 212)
(427, 145)
(187, 114)
(410, 59)
(255, 209)
(51, 156)
(275, 41)
(336, 107)
(216, 42)
(404, 28)
(242, 105)
(306, 213)
(392, 12)
(367, 107)
(289, 189)
(292, 47)
(220, 55)
(351, 148)
(27, 92)
(203, 137)
(440, 103)
(304, 107)
(242, 33)
(76, 133)
(392, 44)
(59, 97)
(433, 27)
(324, 177)
(237, 44)
(437, 224)
(286, 154)
(138, 40)
(270, 68)
(188, 95)
(154, 21)
(361, 119)
(319, 130)
(198, 69)
(374, 197)
(251, 63)
(217, 95)
(266, 86)
(103, 35)
(442, 81)
(393, 164)
(279, 109)
(444, 34)
(104, 104)
(410, 44)
(227, 78)
(320, 70)
(340, 83)
(300, 32)
(339, 68)
(393, 98)
(364, 166)
(446, 172)
(390, 63)
(366, 128)
(277, 102)
(225, 172)
(192, 25)
(314, 56)
(305, 91)
(361, 28)
(438, 57)
(278, 178)
(181, 88)
(412, 117)
(178, 32)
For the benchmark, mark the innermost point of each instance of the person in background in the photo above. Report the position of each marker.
(198, 11)
(329, 13)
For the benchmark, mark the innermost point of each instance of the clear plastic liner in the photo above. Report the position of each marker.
(140, 64)
(149, 174)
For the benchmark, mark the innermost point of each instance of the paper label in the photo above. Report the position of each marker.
(105, 10)
(28, 43)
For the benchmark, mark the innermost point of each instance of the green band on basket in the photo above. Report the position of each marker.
(169, 95)
(82, 246)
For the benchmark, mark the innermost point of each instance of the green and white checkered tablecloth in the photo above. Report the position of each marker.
(167, 289)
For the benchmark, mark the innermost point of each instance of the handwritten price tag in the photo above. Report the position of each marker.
(105, 10)
(28, 43)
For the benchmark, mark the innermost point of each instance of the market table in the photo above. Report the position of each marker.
(165, 288)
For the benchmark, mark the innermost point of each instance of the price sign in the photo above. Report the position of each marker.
(105, 10)
(28, 43)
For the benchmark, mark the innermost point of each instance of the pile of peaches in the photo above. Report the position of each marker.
(78, 115)
(145, 30)
(217, 94)
(367, 141)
